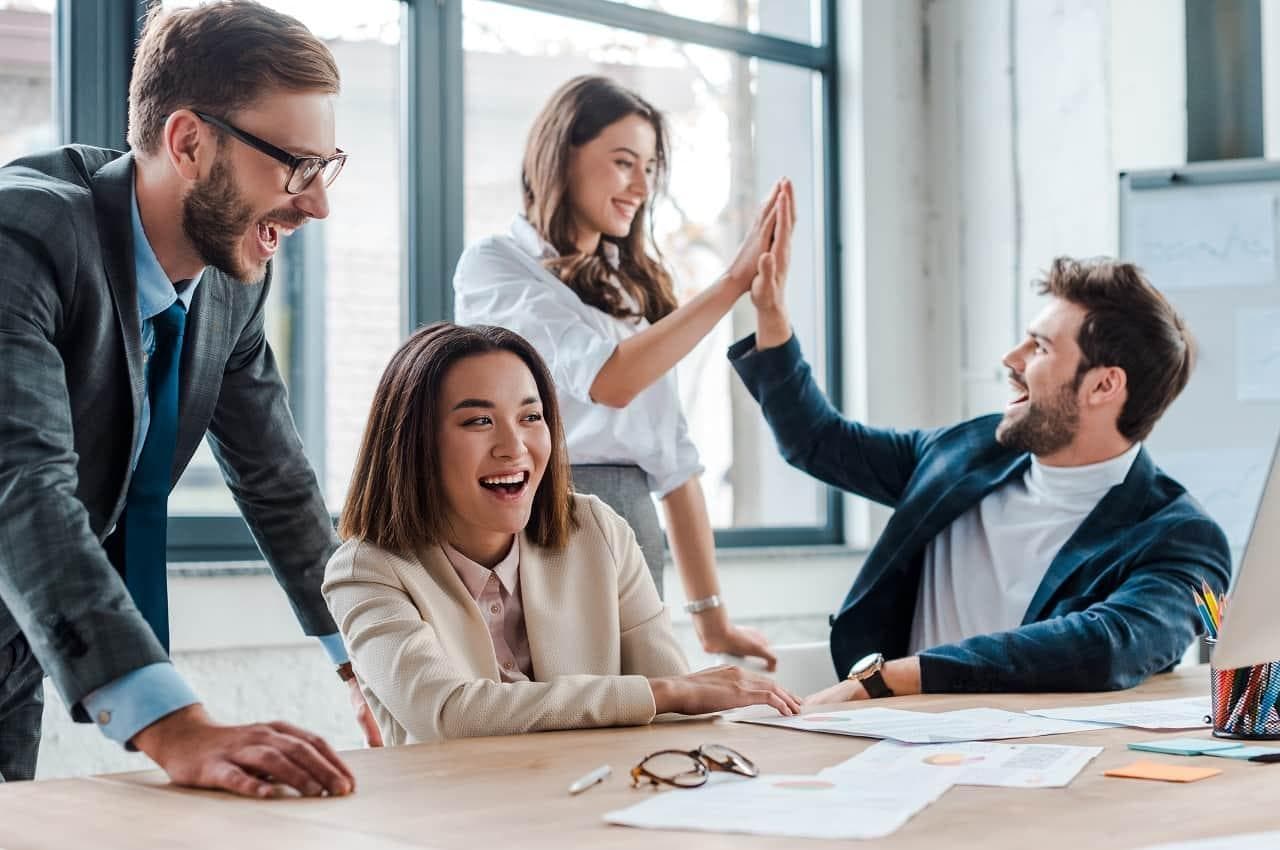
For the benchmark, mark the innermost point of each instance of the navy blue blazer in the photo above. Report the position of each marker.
(1115, 605)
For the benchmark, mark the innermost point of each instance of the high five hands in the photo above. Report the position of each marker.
(773, 326)
(764, 232)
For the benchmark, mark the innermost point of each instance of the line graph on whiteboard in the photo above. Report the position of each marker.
(1191, 242)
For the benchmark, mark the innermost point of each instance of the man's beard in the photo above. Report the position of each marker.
(215, 219)
(1045, 427)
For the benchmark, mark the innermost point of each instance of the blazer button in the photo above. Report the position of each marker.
(104, 717)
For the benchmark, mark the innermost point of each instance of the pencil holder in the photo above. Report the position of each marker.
(1243, 701)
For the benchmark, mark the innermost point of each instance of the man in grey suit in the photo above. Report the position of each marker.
(131, 323)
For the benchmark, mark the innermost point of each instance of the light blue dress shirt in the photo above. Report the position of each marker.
(137, 699)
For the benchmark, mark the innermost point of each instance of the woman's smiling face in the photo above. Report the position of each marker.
(494, 445)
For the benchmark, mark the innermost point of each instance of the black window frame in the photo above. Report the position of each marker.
(94, 52)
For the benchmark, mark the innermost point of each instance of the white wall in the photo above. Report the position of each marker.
(991, 133)
(1271, 78)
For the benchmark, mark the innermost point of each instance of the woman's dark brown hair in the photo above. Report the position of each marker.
(575, 115)
(397, 500)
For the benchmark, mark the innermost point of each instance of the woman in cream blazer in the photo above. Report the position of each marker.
(463, 460)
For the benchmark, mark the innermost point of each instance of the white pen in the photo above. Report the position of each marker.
(584, 782)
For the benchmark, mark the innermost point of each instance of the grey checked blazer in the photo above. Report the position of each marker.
(71, 387)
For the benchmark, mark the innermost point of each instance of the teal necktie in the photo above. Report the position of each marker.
(146, 511)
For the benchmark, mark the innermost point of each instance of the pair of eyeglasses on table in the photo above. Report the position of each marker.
(690, 768)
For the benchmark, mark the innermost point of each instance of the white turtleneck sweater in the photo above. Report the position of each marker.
(981, 571)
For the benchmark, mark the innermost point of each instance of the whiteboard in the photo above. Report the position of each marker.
(1208, 237)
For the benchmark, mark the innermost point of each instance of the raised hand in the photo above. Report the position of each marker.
(245, 760)
(769, 281)
(758, 240)
(718, 689)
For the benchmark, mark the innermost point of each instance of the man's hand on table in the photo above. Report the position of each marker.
(244, 760)
(902, 675)
(372, 734)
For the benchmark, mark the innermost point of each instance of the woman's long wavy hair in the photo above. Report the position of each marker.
(575, 115)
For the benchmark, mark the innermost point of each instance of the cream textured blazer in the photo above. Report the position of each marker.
(424, 658)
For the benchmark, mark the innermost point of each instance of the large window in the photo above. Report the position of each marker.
(437, 99)
(738, 122)
(335, 314)
(26, 77)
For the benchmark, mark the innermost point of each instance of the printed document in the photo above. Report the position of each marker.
(857, 805)
(975, 763)
(918, 727)
(1188, 713)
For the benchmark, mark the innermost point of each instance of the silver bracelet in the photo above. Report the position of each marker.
(697, 606)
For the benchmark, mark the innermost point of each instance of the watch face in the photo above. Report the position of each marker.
(865, 665)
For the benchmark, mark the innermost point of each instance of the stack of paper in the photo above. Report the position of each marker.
(975, 763)
(1188, 713)
(916, 727)
(865, 804)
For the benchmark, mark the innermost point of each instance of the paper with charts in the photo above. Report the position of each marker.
(976, 762)
(1186, 713)
(858, 805)
(918, 727)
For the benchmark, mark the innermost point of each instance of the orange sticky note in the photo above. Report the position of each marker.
(1163, 772)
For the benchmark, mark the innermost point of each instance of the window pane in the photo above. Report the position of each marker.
(737, 124)
(334, 317)
(798, 20)
(26, 77)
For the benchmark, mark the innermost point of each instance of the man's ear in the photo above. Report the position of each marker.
(188, 144)
(1106, 385)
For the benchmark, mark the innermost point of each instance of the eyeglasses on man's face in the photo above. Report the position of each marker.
(302, 169)
(690, 768)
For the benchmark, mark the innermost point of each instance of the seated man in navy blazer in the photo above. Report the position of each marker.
(1038, 550)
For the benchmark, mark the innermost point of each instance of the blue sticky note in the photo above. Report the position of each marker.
(1186, 746)
(1243, 752)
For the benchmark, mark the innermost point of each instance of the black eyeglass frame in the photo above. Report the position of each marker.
(280, 155)
(703, 763)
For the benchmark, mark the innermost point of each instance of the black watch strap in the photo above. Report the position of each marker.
(876, 688)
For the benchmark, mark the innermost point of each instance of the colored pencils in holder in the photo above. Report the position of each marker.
(1211, 602)
(1270, 692)
(1206, 616)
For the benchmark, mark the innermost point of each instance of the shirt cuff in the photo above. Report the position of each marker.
(124, 707)
(334, 646)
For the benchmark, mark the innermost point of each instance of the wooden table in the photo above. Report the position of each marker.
(510, 793)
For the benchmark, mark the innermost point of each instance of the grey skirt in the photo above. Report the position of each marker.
(625, 488)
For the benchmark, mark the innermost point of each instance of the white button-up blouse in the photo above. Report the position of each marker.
(500, 280)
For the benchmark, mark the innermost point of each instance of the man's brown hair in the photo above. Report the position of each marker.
(1128, 324)
(219, 57)
(577, 113)
(397, 500)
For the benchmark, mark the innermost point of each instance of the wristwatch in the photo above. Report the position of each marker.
(867, 670)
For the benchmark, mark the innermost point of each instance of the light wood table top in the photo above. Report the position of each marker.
(510, 792)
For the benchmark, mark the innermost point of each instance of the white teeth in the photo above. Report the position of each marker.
(517, 478)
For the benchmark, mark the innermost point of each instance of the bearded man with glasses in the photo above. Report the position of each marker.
(132, 289)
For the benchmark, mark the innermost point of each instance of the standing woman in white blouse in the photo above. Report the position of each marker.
(579, 277)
